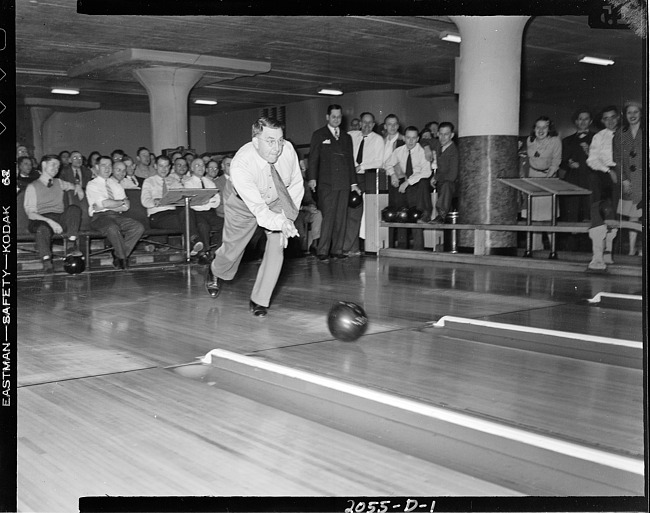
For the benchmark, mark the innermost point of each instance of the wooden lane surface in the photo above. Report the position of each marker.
(583, 402)
(154, 432)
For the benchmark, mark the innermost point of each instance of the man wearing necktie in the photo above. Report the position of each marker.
(267, 189)
(368, 148)
(107, 202)
(76, 173)
(332, 169)
(415, 187)
(574, 169)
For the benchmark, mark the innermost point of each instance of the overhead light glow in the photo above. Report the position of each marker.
(452, 38)
(596, 60)
(65, 91)
(205, 102)
(330, 92)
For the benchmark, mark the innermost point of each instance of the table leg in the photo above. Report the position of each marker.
(553, 255)
(187, 230)
(529, 236)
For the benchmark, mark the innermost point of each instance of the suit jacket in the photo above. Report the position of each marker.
(572, 149)
(448, 162)
(66, 174)
(331, 162)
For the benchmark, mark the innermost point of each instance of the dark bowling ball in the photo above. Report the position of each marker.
(415, 214)
(402, 215)
(74, 264)
(355, 200)
(347, 321)
(389, 214)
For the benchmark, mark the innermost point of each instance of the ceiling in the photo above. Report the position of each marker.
(57, 47)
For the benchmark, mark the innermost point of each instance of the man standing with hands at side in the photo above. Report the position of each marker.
(267, 189)
(331, 167)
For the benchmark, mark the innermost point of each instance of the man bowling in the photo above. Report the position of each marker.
(267, 191)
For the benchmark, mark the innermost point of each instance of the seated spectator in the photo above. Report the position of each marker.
(119, 176)
(46, 211)
(308, 215)
(25, 174)
(212, 170)
(64, 158)
(166, 217)
(355, 125)
(92, 159)
(75, 172)
(117, 155)
(206, 216)
(130, 181)
(223, 182)
(189, 157)
(22, 151)
(108, 202)
(445, 162)
(178, 176)
(145, 166)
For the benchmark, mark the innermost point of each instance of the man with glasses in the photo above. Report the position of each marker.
(267, 189)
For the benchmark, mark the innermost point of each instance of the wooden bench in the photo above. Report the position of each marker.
(481, 230)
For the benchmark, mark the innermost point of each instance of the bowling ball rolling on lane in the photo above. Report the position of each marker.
(347, 321)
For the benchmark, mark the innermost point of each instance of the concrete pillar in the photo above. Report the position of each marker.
(168, 90)
(488, 123)
(39, 116)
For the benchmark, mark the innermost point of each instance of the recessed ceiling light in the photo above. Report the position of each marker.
(596, 60)
(452, 38)
(330, 92)
(205, 102)
(65, 91)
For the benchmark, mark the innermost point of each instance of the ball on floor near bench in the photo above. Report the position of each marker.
(74, 264)
(347, 321)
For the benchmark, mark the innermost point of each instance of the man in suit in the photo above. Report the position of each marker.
(267, 189)
(332, 169)
(574, 168)
(446, 159)
(76, 173)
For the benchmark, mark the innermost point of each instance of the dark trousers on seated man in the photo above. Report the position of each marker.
(446, 191)
(208, 221)
(121, 231)
(69, 219)
(418, 196)
(174, 220)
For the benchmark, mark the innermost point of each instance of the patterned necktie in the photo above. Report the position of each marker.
(164, 187)
(360, 152)
(109, 191)
(290, 210)
(336, 133)
(409, 165)
(202, 184)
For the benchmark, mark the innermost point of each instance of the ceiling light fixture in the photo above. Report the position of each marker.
(65, 91)
(330, 91)
(596, 60)
(205, 102)
(452, 38)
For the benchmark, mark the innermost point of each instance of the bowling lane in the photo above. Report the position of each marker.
(584, 402)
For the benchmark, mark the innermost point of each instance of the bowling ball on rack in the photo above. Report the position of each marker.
(415, 214)
(347, 321)
(74, 263)
(355, 200)
(402, 215)
(389, 214)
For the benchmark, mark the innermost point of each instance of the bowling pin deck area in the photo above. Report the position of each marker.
(469, 381)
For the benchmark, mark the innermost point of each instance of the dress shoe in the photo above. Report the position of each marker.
(119, 263)
(437, 220)
(212, 283)
(258, 310)
(196, 248)
(204, 258)
(323, 258)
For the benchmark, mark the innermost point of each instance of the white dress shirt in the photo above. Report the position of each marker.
(195, 182)
(251, 177)
(152, 189)
(600, 151)
(373, 149)
(129, 182)
(389, 148)
(97, 192)
(421, 166)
